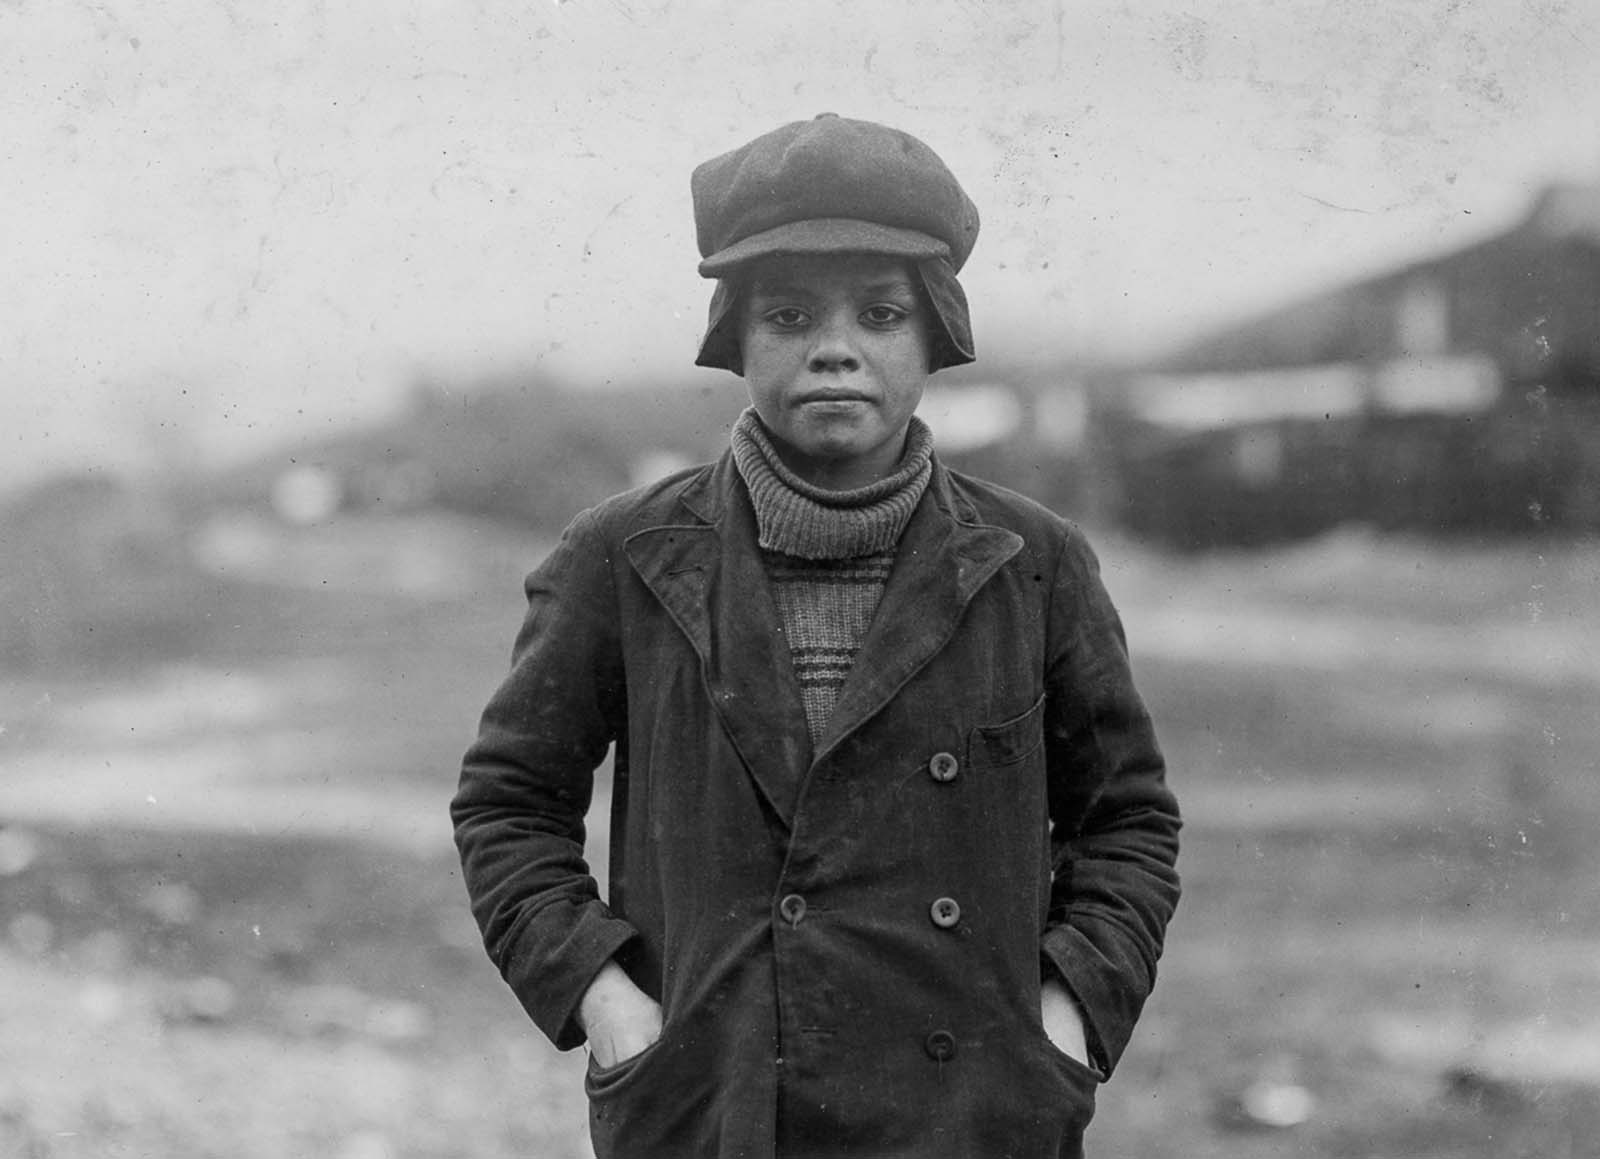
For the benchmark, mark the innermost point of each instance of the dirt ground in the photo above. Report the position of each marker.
(233, 925)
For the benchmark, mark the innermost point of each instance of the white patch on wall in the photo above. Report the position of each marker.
(964, 418)
(658, 464)
(306, 495)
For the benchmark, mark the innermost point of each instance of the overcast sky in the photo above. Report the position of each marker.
(225, 222)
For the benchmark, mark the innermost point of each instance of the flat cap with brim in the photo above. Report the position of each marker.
(830, 185)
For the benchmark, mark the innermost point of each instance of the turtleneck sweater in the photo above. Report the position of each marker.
(827, 554)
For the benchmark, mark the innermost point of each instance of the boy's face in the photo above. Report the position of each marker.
(836, 355)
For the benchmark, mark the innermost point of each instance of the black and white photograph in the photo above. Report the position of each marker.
(660, 579)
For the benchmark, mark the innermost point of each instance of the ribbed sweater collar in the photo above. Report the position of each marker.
(795, 518)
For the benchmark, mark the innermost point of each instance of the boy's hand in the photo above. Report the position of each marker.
(1062, 1021)
(620, 1019)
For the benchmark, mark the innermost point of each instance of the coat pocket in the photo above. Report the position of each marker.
(654, 1104)
(1009, 742)
(601, 1081)
(1071, 1088)
(1078, 1072)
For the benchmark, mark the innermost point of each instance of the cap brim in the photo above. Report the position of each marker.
(825, 235)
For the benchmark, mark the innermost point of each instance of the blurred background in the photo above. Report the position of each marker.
(319, 322)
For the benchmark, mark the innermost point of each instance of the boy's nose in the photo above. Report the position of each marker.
(834, 350)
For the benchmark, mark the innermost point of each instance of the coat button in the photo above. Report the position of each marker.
(940, 1045)
(793, 908)
(945, 912)
(943, 767)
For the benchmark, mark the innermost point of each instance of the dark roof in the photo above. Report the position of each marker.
(1523, 297)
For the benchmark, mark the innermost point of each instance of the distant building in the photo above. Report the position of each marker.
(1460, 393)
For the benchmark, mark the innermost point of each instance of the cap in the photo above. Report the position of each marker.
(830, 185)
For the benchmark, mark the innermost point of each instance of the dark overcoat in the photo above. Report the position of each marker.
(846, 939)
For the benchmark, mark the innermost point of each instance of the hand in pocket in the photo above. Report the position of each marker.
(1063, 1023)
(620, 1019)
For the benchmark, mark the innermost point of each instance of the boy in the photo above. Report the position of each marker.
(892, 851)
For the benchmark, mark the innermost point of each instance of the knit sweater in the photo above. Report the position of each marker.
(827, 554)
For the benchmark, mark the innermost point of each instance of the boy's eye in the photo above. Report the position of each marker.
(883, 315)
(786, 317)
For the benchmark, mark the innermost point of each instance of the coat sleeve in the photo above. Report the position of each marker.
(1114, 822)
(526, 783)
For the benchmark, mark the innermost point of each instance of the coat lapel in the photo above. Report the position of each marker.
(708, 576)
(942, 562)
